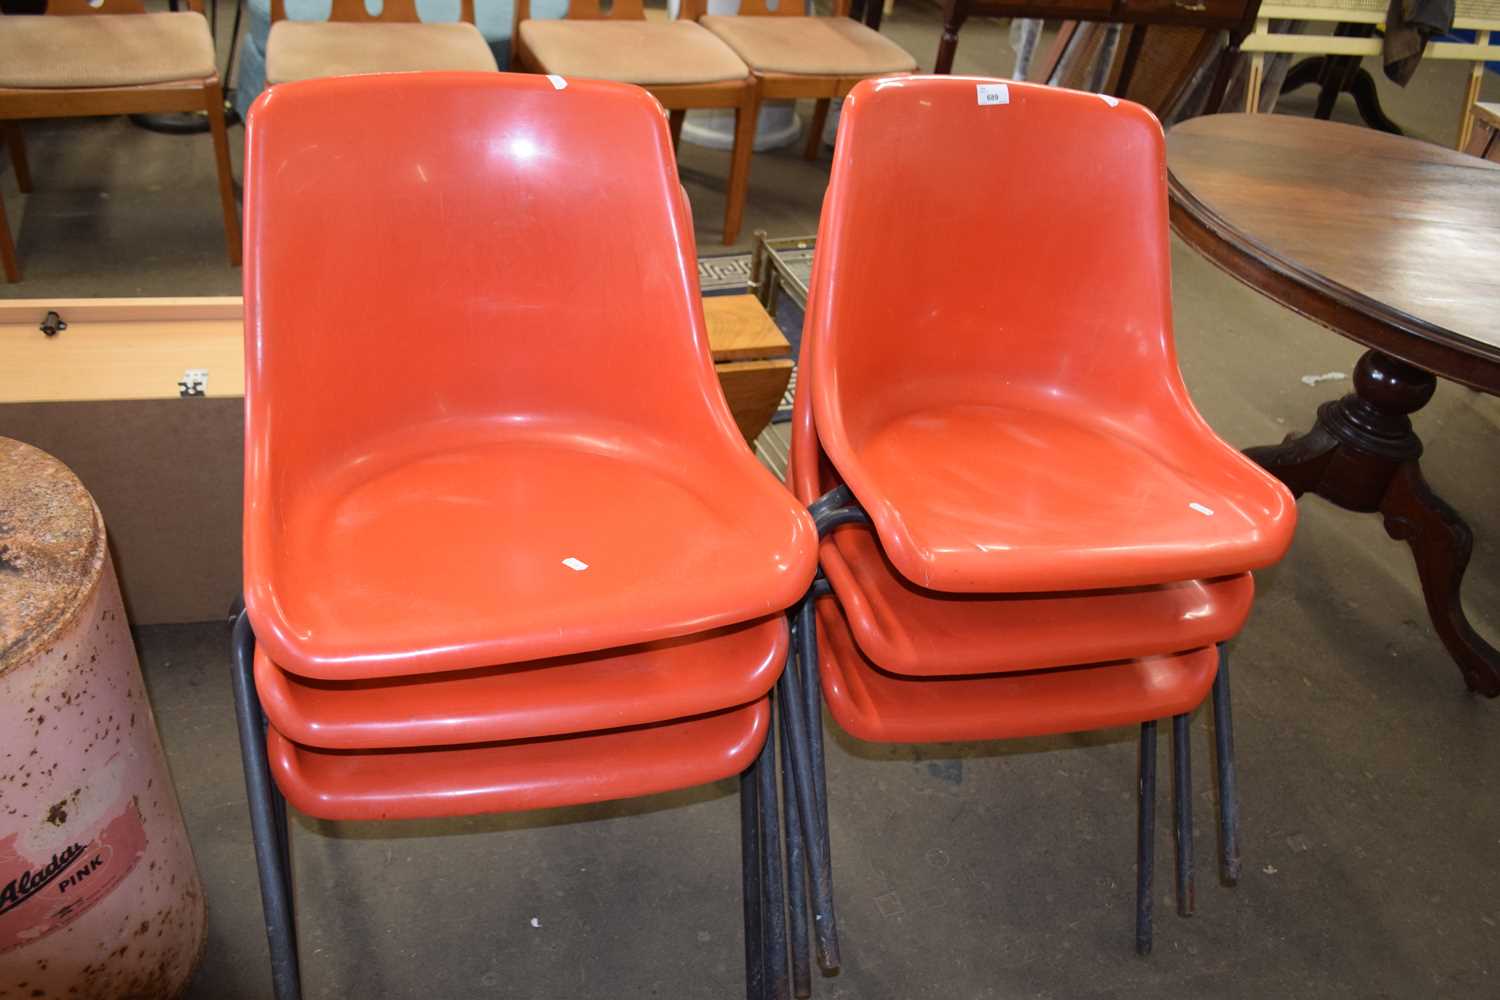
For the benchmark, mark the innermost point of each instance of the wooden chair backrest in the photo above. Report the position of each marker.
(690, 10)
(74, 8)
(788, 8)
(395, 11)
(593, 10)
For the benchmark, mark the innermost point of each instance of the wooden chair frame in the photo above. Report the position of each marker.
(795, 86)
(204, 94)
(741, 95)
(396, 11)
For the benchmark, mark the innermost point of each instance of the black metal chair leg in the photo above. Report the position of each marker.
(755, 985)
(825, 921)
(773, 887)
(1229, 803)
(796, 868)
(812, 700)
(812, 715)
(1145, 857)
(275, 898)
(1182, 809)
(284, 846)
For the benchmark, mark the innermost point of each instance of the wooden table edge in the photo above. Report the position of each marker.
(1347, 312)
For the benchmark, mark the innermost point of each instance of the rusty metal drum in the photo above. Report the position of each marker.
(99, 894)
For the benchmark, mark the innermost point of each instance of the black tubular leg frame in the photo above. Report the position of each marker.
(773, 887)
(267, 819)
(799, 728)
(796, 873)
(1145, 843)
(755, 982)
(801, 718)
(1182, 810)
(1229, 803)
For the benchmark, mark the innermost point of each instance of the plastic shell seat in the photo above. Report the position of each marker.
(483, 424)
(520, 775)
(908, 630)
(669, 679)
(1039, 436)
(880, 707)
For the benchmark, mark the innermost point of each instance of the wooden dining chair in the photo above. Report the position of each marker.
(352, 41)
(683, 66)
(82, 59)
(795, 56)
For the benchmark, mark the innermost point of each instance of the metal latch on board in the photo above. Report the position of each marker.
(52, 324)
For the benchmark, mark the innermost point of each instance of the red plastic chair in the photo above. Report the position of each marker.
(885, 707)
(504, 546)
(466, 392)
(908, 629)
(1052, 539)
(637, 685)
(525, 774)
(1039, 436)
(911, 630)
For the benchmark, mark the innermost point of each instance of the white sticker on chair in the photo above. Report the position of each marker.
(558, 83)
(991, 94)
(578, 565)
(194, 382)
(1205, 511)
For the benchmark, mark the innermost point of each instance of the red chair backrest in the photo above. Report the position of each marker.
(428, 250)
(980, 243)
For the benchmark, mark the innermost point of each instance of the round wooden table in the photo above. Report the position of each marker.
(1395, 244)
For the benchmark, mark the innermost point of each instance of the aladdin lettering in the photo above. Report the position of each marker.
(19, 890)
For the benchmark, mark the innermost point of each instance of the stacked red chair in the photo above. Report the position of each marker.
(1026, 527)
(505, 548)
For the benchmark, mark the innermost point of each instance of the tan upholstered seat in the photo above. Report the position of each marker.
(104, 50)
(837, 46)
(656, 53)
(1488, 113)
(304, 50)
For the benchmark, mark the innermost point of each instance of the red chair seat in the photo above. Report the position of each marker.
(880, 707)
(517, 776)
(908, 630)
(1000, 498)
(670, 679)
(460, 551)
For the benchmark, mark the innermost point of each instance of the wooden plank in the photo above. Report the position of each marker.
(739, 328)
(753, 390)
(1343, 46)
(116, 349)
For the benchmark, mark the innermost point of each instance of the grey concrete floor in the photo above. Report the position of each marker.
(1371, 822)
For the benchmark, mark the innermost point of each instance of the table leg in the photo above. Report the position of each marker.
(1364, 456)
(955, 13)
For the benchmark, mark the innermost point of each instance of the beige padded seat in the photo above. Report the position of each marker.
(104, 50)
(647, 53)
(813, 46)
(1488, 113)
(305, 50)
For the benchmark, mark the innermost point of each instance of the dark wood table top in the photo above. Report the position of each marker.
(1392, 242)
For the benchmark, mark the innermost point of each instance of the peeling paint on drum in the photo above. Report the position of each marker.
(99, 893)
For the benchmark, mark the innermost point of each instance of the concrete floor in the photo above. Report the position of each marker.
(1371, 820)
